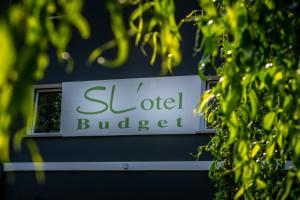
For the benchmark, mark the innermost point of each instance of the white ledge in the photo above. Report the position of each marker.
(115, 166)
(109, 166)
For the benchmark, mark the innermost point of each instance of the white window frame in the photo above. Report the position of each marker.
(57, 87)
(203, 124)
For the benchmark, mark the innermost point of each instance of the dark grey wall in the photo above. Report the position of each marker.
(116, 148)
(111, 185)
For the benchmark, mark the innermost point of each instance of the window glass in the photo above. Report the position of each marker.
(47, 111)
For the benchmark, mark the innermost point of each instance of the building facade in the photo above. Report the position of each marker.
(118, 166)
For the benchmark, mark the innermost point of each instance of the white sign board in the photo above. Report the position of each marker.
(139, 106)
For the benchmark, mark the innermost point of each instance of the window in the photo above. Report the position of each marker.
(209, 85)
(47, 111)
(204, 125)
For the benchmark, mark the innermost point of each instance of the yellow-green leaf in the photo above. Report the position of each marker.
(239, 193)
(7, 52)
(270, 150)
(253, 102)
(154, 48)
(260, 184)
(81, 24)
(255, 150)
(268, 120)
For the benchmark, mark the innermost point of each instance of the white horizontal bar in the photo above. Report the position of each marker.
(47, 86)
(110, 166)
(115, 166)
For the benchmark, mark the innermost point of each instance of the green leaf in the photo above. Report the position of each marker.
(42, 63)
(120, 33)
(81, 24)
(234, 128)
(154, 48)
(208, 95)
(94, 55)
(208, 7)
(34, 30)
(268, 120)
(289, 183)
(65, 33)
(269, 4)
(255, 150)
(201, 74)
(242, 150)
(239, 193)
(7, 52)
(280, 140)
(232, 18)
(298, 174)
(231, 100)
(253, 102)
(296, 144)
(137, 13)
(261, 184)
(270, 150)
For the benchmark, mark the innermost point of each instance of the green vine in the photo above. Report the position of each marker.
(256, 102)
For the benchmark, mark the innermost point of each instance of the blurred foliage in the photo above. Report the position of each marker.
(27, 29)
(152, 23)
(253, 46)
